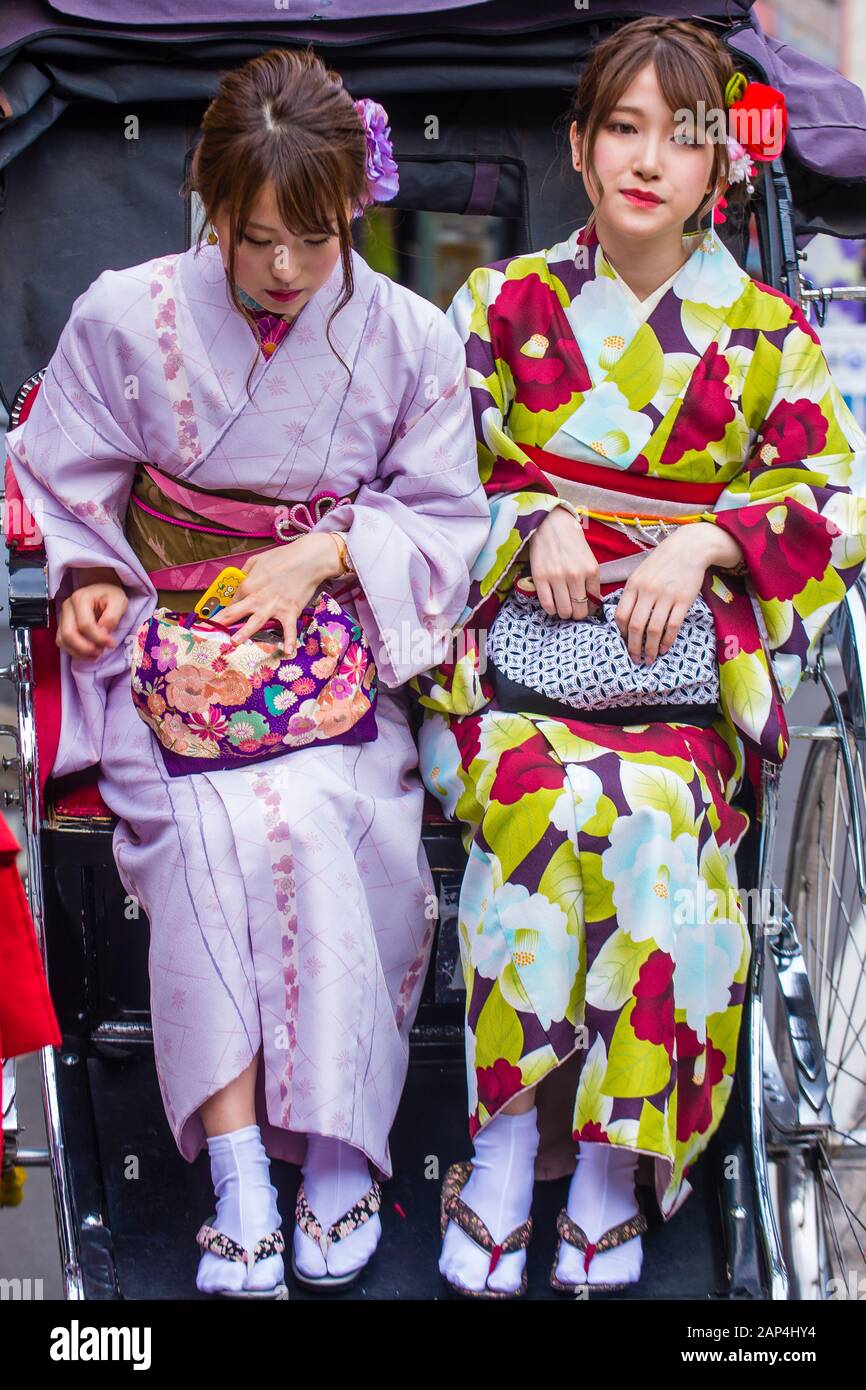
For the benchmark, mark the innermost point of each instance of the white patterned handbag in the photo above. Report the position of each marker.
(546, 664)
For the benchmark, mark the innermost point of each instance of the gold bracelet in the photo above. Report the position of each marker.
(342, 547)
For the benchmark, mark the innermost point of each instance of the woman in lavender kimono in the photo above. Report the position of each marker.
(630, 373)
(290, 903)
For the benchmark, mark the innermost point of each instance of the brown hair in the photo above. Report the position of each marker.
(282, 117)
(691, 65)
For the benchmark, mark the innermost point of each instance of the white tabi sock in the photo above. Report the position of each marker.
(246, 1211)
(602, 1195)
(499, 1190)
(336, 1175)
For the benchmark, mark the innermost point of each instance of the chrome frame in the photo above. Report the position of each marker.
(20, 672)
(812, 1116)
(771, 1239)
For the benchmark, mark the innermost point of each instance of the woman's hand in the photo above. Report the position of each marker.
(564, 569)
(280, 582)
(88, 616)
(663, 587)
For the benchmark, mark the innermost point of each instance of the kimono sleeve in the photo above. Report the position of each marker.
(519, 495)
(798, 509)
(414, 531)
(74, 463)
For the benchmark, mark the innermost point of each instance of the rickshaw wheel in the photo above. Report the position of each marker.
(815, 1104)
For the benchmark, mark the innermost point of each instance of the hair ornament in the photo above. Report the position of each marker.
(383, 179)
(735, 88)
(757, 129)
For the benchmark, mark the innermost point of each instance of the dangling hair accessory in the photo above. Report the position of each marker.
(383, 179)
(750, 104)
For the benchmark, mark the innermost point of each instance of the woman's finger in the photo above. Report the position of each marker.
(623, 611)
(113, 610)
(637, 626)
(656, 628)
(69, 639)
(579, 605)
(234, 611)
(544, 595)
(289, 622)
(674, 623)
(252, 625)
(88, 623)
(562, 597)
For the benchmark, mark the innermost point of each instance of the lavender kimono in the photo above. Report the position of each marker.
(289, 901)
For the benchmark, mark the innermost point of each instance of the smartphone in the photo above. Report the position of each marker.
(221, 591)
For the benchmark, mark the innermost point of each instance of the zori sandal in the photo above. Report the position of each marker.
(575, 1235)
(218, 1243)
(366, 1207)
(453, 1208)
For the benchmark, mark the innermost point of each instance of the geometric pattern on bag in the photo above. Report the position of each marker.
(585, 662)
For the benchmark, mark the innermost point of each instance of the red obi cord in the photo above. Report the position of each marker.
(608, 542)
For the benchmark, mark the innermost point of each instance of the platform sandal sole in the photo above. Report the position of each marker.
(327, 1281)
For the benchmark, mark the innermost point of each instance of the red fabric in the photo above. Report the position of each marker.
(27, 1017)
(620, 480)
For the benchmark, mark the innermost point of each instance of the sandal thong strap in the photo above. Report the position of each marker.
(616, 1235)
(365, 1208)
(209, 1238)
(455, 1209)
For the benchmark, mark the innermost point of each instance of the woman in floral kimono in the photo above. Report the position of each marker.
(631, 371)
(290, 902)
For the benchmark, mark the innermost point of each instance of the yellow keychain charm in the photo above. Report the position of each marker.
(221, 591)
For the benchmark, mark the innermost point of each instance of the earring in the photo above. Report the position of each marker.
(212, 236)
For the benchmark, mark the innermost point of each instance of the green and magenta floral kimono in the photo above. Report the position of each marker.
(599, 917)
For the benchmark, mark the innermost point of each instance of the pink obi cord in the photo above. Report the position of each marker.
(239, 519)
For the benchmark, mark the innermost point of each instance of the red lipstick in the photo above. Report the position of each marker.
(640, 197)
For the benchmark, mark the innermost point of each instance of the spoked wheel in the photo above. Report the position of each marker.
(815, 1026)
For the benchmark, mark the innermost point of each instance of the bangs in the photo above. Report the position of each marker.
(308, 193)
(685, 83)
(683, 79)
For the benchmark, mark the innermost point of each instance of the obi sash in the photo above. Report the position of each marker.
(619, 507)
(184, 535)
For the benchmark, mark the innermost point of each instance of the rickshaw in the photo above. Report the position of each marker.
(474, 91)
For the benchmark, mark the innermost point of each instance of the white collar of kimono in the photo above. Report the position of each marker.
(605, 315)
(642, 308)
(606, 319)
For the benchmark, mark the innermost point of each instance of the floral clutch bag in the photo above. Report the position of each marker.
(214, 704)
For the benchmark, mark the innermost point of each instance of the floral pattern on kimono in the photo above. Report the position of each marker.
(287, 901)
(599, 913)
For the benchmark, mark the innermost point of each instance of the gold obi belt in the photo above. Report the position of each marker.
(184, 535)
